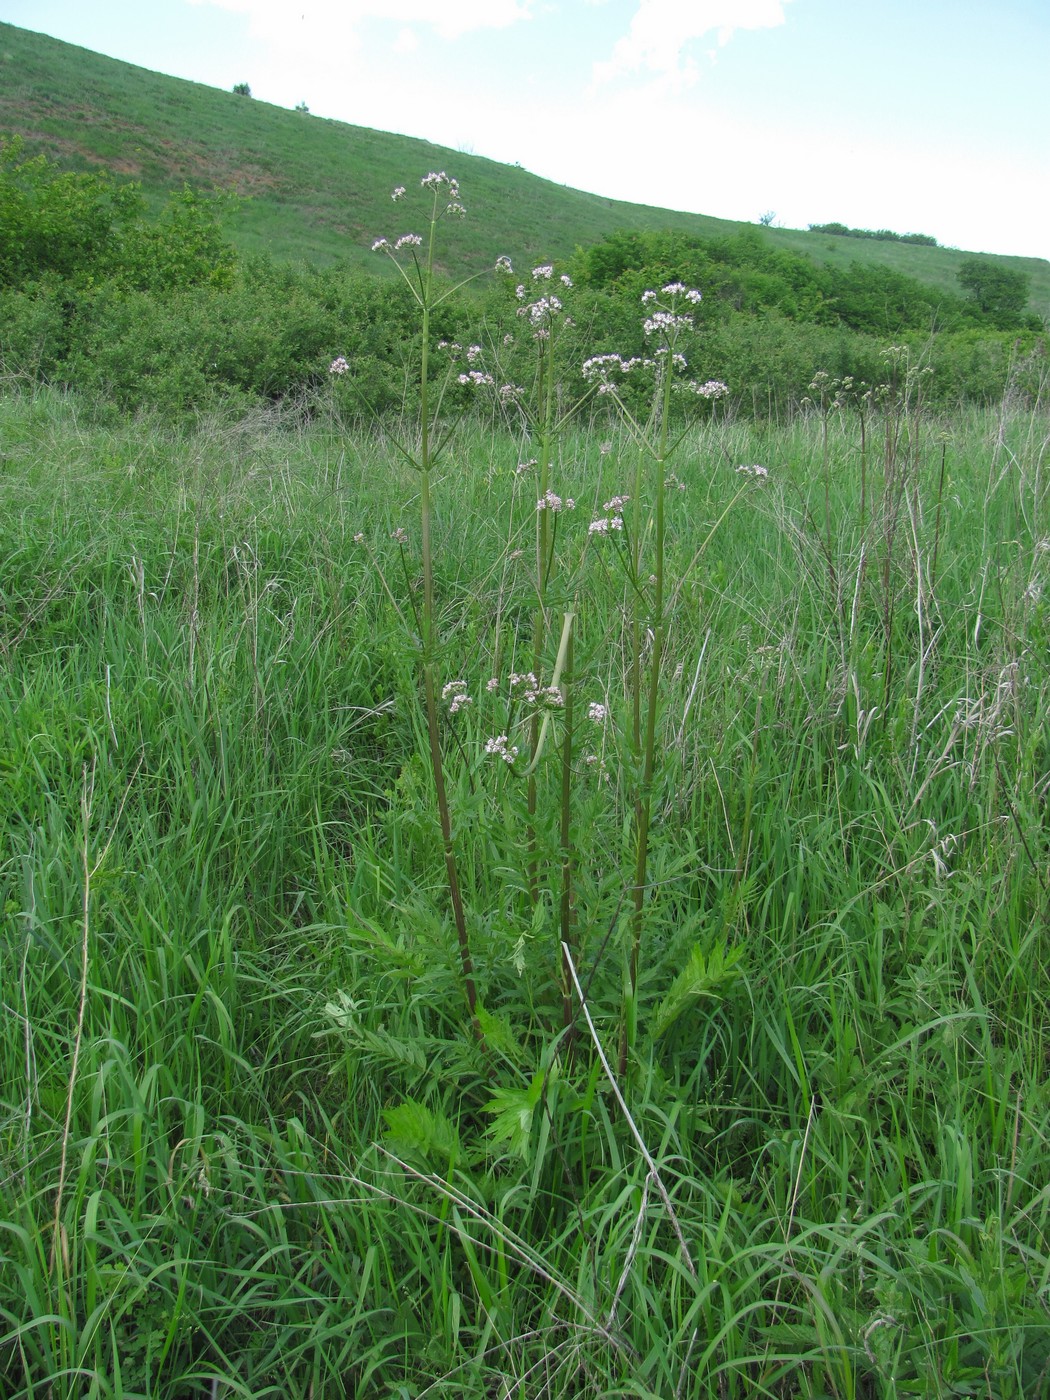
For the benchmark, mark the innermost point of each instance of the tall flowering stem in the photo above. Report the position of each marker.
(415, 263)
(544, 559)
(644, 795)
(541, 307)
(668, 319)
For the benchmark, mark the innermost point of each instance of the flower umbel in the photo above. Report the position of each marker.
(554, 503)
(500, 747)
(455, 696)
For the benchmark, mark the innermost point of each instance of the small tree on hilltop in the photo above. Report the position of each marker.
(242, 89)
(999, 293)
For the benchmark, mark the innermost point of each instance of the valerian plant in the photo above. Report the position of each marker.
(539, 706)
(667, 324)
(413, 256)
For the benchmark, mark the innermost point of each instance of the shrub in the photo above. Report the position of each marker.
(85, 229)
(1000, 294)
(53, 221)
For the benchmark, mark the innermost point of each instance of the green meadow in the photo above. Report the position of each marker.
(251, 1144)
(525, 862)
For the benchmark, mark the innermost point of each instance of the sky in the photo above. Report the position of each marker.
(922, 116)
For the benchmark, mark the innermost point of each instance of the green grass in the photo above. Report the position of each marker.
(290, 1169)
(319, 190)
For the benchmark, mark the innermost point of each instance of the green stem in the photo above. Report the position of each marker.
(566, 843)
(544, 563)
(429, 682)
(644, 796)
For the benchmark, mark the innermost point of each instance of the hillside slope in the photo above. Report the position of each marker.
(319, 190)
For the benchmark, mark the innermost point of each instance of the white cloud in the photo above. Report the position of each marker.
(662, 30)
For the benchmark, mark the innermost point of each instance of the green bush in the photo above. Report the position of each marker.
(34, 329)
(157, 313)
(55, 222)
(979, 367)
(999, 294)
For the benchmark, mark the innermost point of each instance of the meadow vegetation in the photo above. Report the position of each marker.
(317, 189)
(525, 861)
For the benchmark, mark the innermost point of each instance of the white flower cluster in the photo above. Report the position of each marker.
(338, 366)
(712, 389)
(601, 368)
(674, 289)
(612, 520)
(665, 323)
(500, 747)
(548, 696)
(597, 712)
(503, 265)
(555, 504)
(541, 312)
(754, 471)
(455, 696)
(476, 377)
(438, 182)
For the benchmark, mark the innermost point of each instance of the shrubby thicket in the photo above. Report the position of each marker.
(882, 235)
(145, 309)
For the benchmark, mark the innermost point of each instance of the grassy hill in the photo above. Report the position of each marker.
(319, 190)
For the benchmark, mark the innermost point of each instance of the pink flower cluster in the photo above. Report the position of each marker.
(500, 747)
(549, 696)
(554, 503)
(455, 696)
(542, 312)
(438, 182)
(665, 323)
(600, 368)
(612, 520)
